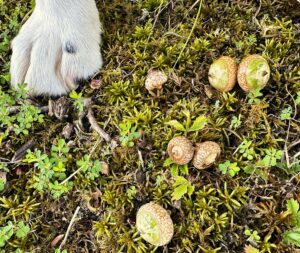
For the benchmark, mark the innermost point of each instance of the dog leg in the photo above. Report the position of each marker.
(59, 44)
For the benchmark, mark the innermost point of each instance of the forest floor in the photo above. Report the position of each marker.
(55, 166)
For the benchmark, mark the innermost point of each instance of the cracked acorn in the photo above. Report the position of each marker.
(206, 153)
(155, 80)
(180, 150)
(253, 73)
(154, 224)
(222, 73)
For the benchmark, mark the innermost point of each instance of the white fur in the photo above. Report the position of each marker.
(40, 58)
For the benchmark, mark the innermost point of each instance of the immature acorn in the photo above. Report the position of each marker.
(222, 73)
(206, 154)
(155, 80)
(253, 73)
(154, 224)
(180, 150)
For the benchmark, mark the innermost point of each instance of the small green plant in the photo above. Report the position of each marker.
(269, 157)
(181, 187)
(286, 113)
(20, 230)
(128, 134)
(200, 45)
(198, 124)
(50, 175)
(252, 235)
(176, 168)
(228, 167)
(91, 169)
(25, 115)
(143, 32)
(78, 100)
(131, 192)
(255, 96)
(50, 170)
(6, 233)
(292, 236)
(246, 149)
(235, 122)
(272, 156)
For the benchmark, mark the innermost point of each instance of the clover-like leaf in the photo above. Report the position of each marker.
(178, 126)
(198, 124)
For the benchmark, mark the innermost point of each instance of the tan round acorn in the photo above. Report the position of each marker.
(180, 150)
(206, 154)
(222, 73)
(154, 224)
(155, 80)
(253, 73)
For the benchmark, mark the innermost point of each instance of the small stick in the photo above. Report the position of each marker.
(293, 144)
(141, 158)
(71, 176)
(69, 227)
(96, 126)
(16, 109)
(21, 152)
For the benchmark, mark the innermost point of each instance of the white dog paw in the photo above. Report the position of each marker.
(55, 48)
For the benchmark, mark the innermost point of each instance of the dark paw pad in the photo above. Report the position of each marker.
(70, 48)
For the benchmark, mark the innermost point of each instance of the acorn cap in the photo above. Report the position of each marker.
(222, 73)
(180, 150)
(154, 224)
(253, 73)
(104, 168)
(155, 80)
(206, 154)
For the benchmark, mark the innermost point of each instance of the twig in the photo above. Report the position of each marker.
(293, 144)
(235, 133)
(16, 109)
(96, 127)
(72, 175)
(22, 151)
(191, 33)
(286, 153)
(141, 158)
(160, 9)
(293, 177)
(96, 145)
(296, 155)
(69, 227)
